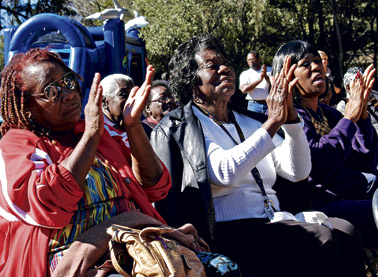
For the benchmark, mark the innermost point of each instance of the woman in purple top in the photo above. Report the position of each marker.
(343, 148)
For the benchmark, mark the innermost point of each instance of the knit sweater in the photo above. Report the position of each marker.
(235, 191)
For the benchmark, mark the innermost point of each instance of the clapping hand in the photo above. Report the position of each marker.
(94, 119)
(137, 99)
(263, 72)
(280, 98)
(360, 89)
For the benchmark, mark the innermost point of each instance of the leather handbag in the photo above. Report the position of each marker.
(153, 254)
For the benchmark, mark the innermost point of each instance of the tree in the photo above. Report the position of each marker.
(18, 11)
(345, 29)
(171, 22)
(14, 13)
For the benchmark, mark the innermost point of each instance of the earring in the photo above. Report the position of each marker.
(28, 116)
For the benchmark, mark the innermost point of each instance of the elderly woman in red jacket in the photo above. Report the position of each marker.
(62, 176)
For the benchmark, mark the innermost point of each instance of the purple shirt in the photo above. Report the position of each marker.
(339, 157)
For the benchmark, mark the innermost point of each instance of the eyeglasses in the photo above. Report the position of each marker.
(54, 89)
(163, 99)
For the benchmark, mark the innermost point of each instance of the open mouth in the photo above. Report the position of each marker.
(318, 79)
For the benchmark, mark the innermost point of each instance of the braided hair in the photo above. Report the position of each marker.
(14, 90)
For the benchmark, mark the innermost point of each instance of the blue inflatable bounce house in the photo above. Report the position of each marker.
(107, 49)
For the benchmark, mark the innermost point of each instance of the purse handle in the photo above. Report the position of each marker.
(117, 231)
(112, 245)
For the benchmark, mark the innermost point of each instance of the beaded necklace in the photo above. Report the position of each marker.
(321, 127)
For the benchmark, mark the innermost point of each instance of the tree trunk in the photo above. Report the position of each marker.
(374, 33)
(339, 38)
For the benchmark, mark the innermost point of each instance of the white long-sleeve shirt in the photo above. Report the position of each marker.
(235, 192)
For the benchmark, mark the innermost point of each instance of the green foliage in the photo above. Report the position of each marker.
(345, 29)
(18, 11)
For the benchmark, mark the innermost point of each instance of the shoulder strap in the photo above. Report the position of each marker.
(257, 116)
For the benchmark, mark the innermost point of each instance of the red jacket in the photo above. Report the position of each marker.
(39, 196)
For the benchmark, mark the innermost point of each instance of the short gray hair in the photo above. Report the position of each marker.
(351, 74)
(111, 83)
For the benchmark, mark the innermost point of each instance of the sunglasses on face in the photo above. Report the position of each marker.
(54, 89)
(163, 100)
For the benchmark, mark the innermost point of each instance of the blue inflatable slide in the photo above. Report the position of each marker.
(107, 49)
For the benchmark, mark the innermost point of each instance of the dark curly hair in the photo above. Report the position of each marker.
(183, 67)
(14, 90)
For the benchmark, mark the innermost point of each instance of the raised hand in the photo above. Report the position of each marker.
(94, 119)
(360, 89)
(146, 165)
(368, 84)
(290, 81)
(137, 100)
(368, 81)
(81, 158)
(280, 98)
(263, 72)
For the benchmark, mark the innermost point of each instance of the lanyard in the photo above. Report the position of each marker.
(268, 204)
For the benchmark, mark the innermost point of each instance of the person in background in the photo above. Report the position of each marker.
(342, 147)
(62, 176)
(324, 57)
(372, 104)
(255, 83)
(224, 161)
(348, 77)
(116, 89)
(159, 103)
(165, 76)
(333, 95)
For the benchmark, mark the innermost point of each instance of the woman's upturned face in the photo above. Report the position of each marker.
(60, 115)
(311, 76)
(217, 77)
